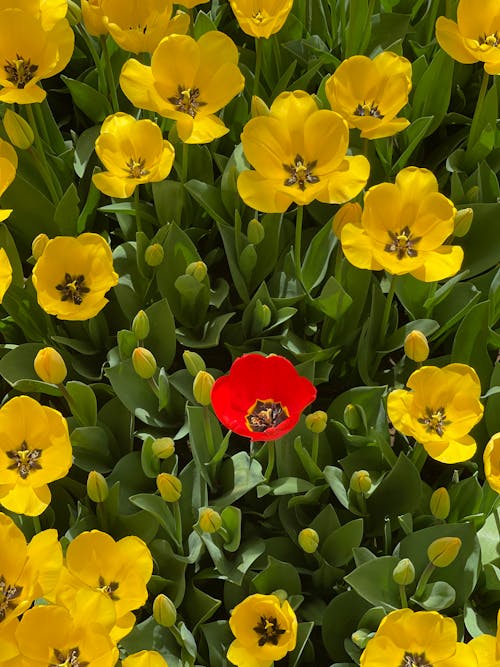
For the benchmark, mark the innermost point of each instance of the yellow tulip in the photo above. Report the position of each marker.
(8, 168)
(188, 81)
(133, 152)
(491, 459)
(299, 155)
(50, 366)
(261, 18)
(5, 272)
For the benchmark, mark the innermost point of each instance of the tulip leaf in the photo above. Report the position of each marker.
(303, 632)
(315, 264)
(209, 198)
(413, 135)
(436, 596)
(340, 620)
(231, 521)
(338, 547)
(277, 574)
(91, 449)
(83, 403)
(238, 475)
(396, 340)
(93, 103)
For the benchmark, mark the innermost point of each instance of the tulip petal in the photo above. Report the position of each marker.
(262, 193)
(452, 41)
(441, 263)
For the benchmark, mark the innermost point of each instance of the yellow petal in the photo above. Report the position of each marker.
(441, 263)
(346, 181)
(452, 41)
(261, 193)
(137, 83)
(453, 451)
(387, 129)
(27, 500)
(357, 247)
(293, 109)
(201, 129)
(267, 147)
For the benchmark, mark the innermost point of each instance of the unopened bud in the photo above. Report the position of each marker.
(416, 346)
(472, 194)
(144, 363)
(443, 551)
(352, 417)
(169, 486)
(308, 540)
(164, 611)
(193, 362)
(360, 481)
(97, 488)
(154, 254)
(281, 594)
(404, 572)
(316, 421)
(198, 270)
(19, 131)
(210, 521)
(93, 17)
(202, 387)
(463, 221)
(50, 366)
(350, 212)
(163, 448)
(38, 245)
(262, 315)
(361, 637)
(258, 107)
(440, 503)
(140, 325)
(74, 14)
(255, 231)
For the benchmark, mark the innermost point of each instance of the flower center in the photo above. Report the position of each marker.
(19, 71)
(136, 169)
(187, 100)
(434, 421)
(8, 593)
(109, 589)
(258, 17)
(70, 659)
(73, 288)
(139, 27)
(490, 40)
(265, 414)
(368, 110)
(402, 243)
(300, 172)
(415, 660)
(269, 631)
(24, 460)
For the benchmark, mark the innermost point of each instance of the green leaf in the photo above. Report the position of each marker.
(333, 300)
(277, 574)
(91, 449)
(315, 264)
(231, 521)
(238, 475)
(373, 581)
(436, 596)
(338, 546)
(67, 212)
(340, 620)
(93, 103)
(209, 198)
(83, 402)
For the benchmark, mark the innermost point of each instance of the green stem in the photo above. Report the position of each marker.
(298, 241)
(258, 66)
(343, 24)
(315, 448)
(185, 161)
(402, 595)
(418, 456)
(474, 128)
(362, 503)
(101, 73)
(422, 582)
(102, 518)
(36, 524)
(40, 123)
(431, 21)
(448, 10)
(271, 457)
(41, 159)
(137, 202)
(178, 523)
(109, 74)
(208, 432)
(387, 309)
(154, 386)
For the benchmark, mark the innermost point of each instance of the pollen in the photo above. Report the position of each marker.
(187, 100)
(69, 659)
(300, 172)
(73, 288)
(368, 110)
(25, 460)
(109, 589)
(268, 630)
(490, 40)
(136, 168)
(20, 71)
(415, 660)
(258, 17)
(402, 243)
(265, 414)
(8, 594)
(434, 421)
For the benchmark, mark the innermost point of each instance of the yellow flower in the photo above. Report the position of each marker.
(73, 275)
(370, 93)
(93, 17)
(417, 639)
(475, 36)
(261, 18)
(487, 648)
(145, 659)
(50, 366)
(48, 12)
(29, 53)
(140, 26)
(491, 459)
(265, 629)
(189, 4)
(34, 450)
(50, 635)
(350, 212)
(403, 228)
(133, 152)
(5, 272)
(440, 410)
(299, 154)
(8, 167)
(27, 571)
(106, 578)
(188, 81)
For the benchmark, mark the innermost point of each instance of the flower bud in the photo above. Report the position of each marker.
(144, 363)
(404, 572)
(169, 486)
(308, 540)
(463, 221)
(164, 611)
(38, 245)
(74, 14)
(50, 366)
(198, 270)
(440, 503)
(19, 131)
(154, 254)
(360, 481)
(193, 362)
(93, 17)
(202, 387)
(350, 212)
(255, 231)
(258, 107)
(97, 488)
(261, 316)
(361, 637)
(163, 448)
(443, 551)
(316, 421)
(140, 325)
(416, 346)
(210, 521)
(352, 417)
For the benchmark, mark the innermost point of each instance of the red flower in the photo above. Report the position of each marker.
(262, 398)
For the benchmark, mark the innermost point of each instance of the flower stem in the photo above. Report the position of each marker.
(271, 457)
(101, 517)
(422, 582)
(387, 308)
(258, 66)
(402, 595)
(101, 74)
(208, 432)
(298, 241)
(109, 74)
(418, 456)
(154, 386)
(36, 524)
(315, 447)
(474, 128)
(185, 161)
(40, 157)
(137, 202)
(178, 523)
